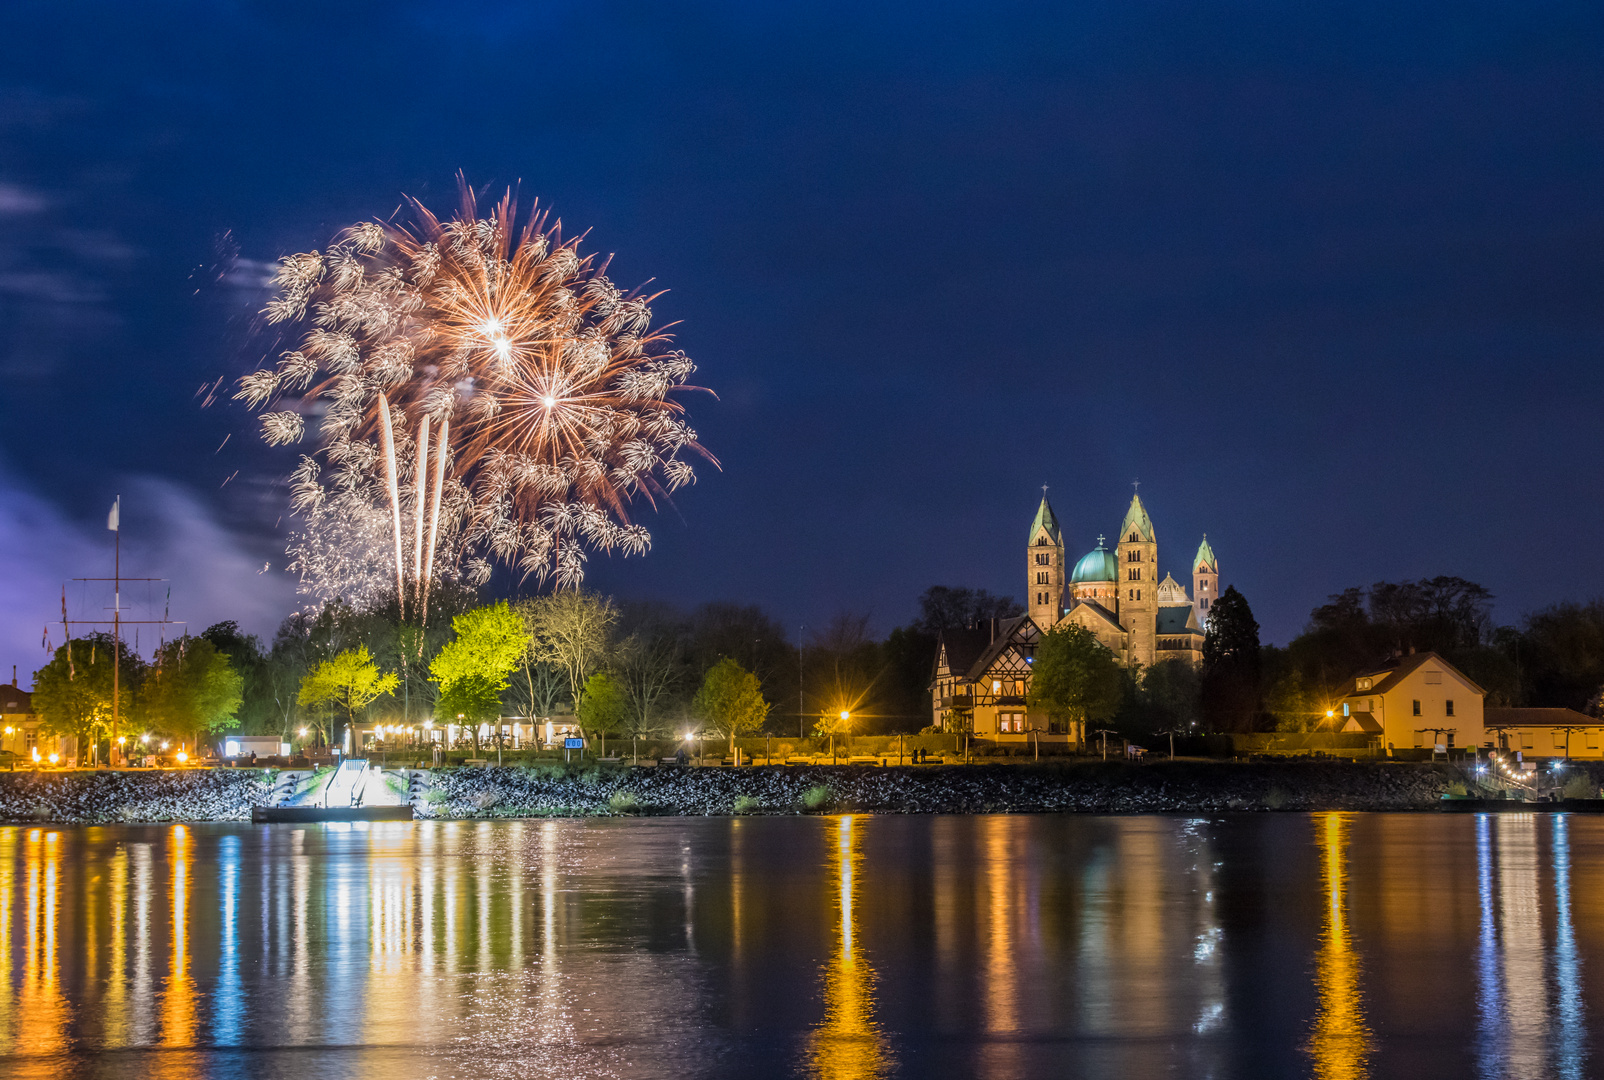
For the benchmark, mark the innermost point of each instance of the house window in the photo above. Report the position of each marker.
(1205, 603)
(1417, 708)
(1364, 684)
(1450, 704)
(1592, 738)
(996, 686)
(1525, 740)
(1559, 740)
(1433, 678)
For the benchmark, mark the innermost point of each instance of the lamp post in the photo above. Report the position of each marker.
(846, 726)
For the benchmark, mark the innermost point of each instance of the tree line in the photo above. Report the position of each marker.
(1553, 658)
(629, 669)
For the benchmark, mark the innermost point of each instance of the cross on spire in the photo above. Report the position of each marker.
(1137, 485)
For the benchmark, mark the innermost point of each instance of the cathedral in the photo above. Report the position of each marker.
(1117, 595)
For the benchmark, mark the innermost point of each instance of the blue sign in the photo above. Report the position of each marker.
(573, 744)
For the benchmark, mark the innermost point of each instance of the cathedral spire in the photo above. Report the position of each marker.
(1046, 519)
(1136, 520)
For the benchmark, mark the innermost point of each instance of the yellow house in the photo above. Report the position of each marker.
(1546, 732)
(19, 727)
(1419, 701)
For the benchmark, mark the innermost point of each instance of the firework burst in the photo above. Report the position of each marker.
(482, 389)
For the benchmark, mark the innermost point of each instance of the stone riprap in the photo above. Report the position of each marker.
(515, 791)
(961, 789)
(92, 797)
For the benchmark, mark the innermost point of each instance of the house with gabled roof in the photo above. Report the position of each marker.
(981, 681)
(1417, 701)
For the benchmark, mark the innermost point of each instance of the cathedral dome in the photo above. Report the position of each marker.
(1097, 565)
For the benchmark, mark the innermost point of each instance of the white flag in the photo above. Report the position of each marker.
(111, 518)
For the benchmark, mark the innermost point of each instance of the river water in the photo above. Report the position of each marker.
(1254, 945)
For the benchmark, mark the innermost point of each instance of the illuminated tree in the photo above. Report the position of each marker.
(192, 689)
(603, 707)
(569, 630)
(350, 681)
(72, 693)
(731, 698)
(474, 668)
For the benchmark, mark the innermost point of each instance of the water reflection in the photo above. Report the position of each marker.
(1529, 999)
(987, 946)
(848, 1044)
(1340, 1042)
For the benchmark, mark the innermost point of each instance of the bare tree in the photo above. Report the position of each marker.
(570, 631)
(647, 665)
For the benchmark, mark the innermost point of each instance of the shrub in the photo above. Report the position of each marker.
(434, 796)
(484, 800)
(624, 802)
(745, 804)
(816, 797)
(1580, 787)
(1276, 799)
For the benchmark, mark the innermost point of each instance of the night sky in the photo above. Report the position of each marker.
(1325, 278)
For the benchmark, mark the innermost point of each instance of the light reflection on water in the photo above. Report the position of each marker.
(1340, 946)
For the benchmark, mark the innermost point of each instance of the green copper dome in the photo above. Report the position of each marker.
(1097, 565)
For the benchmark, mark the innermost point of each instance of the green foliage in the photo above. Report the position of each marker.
(731, 698)
(470, 699)
(1580, 786)
(192, 689)
(350, 681)
(1074, 677)
(602, 708)
(624, 802)
(746, 804)
(72, 693)
(816, 797)
(256, 713)
(491, 642)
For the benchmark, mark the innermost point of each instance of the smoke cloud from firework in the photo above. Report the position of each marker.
(481, 391)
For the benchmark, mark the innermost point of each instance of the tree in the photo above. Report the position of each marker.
(602, 707)
(350, 681)
(473, 669)
(1075, 678)
(945, 608)
(731, 698)
(192, 689)
(490, 642)
(72, 693)
(472, 698)
(569, 630)
(646, 669)
(256, 714)
(1230, 684)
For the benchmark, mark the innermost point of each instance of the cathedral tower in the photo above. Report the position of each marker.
(1044, 559)
(1205, 581)
(1137, 556)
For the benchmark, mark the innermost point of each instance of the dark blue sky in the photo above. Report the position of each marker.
(1325, 277)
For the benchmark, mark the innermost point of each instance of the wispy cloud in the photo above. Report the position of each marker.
(213, 573)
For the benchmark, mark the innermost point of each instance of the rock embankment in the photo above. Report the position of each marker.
(547, 791)
(100, 797)
(1178, 787)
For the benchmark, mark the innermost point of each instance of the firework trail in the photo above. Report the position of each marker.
(550, 393)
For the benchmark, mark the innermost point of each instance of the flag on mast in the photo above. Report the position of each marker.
(112, 518)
